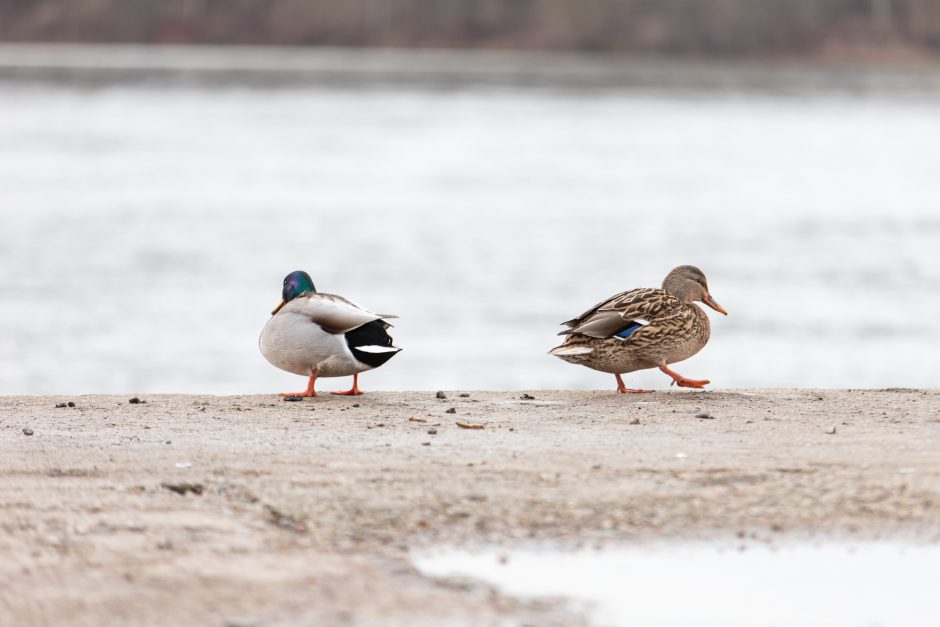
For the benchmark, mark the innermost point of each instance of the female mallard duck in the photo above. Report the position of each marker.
(643, 328)
(323, 335)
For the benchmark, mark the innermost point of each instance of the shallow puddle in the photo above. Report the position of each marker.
(857, 585)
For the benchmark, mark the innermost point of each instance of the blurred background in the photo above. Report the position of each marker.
(485, 169)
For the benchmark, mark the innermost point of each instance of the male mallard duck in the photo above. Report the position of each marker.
(643, 328)
(324, 335)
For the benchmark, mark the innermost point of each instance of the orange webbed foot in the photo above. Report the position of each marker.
(623, 389)
(355, 391)
(691, 383)
(682, 382)
(308, 393)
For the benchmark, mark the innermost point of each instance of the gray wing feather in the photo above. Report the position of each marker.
(601, 324)
(334, 314)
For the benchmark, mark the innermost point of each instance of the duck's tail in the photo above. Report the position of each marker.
(371, 344)
(570, 351)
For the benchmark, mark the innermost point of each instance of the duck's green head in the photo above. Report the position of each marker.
(296, 284)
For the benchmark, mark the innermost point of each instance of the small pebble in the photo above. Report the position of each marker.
(634, 421)
(60, 405)
(355, 404)
(527, 397)
(134, 401)
(440, 394)
(184, 488)
(27, 431)
(292, 398)
(425, 444)
(452, 410)
(705, 416)
(70, 404)
(464, 395)
(432, 431)
(831, 430)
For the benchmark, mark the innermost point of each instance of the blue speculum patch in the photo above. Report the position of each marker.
(630, 329)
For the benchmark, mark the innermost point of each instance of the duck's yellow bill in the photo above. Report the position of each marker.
(278, 308)
(711, 302)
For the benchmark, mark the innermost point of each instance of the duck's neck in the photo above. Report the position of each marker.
(683, 291)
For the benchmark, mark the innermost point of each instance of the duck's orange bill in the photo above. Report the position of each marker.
(278, 308)
(711, 302)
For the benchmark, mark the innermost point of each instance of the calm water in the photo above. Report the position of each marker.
(145, 229)
(676, 585)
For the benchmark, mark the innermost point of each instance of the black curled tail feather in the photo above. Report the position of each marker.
(366, 342)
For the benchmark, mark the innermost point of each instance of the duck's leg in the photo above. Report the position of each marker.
(355, 391)
(309, 392)
(623, 389)
(682, 382)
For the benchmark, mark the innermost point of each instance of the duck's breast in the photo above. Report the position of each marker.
(294, 343)
(688, 340)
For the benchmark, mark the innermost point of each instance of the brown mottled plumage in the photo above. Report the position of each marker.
(643, 328)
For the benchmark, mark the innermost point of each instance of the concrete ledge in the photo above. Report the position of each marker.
(200, 510)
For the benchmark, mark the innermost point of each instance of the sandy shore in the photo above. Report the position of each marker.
(250, 510)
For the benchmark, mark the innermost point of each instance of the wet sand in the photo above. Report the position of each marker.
(250, 510)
